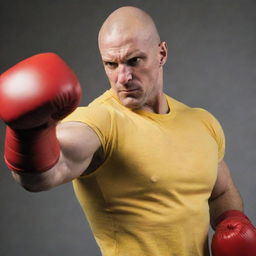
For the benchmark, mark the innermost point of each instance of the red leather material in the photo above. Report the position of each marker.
(234, 236)
(34, 95)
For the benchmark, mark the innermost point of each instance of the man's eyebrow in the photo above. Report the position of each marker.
(133, 54)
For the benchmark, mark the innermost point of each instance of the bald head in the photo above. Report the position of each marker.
(133, 59)
(128, 22)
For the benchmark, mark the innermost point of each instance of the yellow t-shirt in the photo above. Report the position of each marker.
(150, 196)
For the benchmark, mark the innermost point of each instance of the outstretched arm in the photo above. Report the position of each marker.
(35, 94)
(78, 144)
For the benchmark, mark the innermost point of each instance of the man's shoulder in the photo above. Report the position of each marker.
(181, 106)
(184, 108)
(104, 98)
(96, 110)
(177, 104)
(105, 101)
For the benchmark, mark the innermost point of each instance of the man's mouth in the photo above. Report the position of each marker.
(129, 90)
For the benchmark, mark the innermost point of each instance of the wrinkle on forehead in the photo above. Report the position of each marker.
(121, 54)
(128, 23)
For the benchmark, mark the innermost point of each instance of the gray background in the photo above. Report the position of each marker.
(212, 64)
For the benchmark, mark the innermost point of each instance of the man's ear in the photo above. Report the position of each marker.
(163, 52)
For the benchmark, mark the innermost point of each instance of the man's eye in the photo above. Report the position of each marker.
(133, 61)
(110, 64)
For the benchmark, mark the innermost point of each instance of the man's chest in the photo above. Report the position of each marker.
(167, 156)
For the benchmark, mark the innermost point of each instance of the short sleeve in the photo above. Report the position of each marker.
(98, 118)
(216, 131)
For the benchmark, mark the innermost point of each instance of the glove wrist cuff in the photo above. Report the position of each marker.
(34, 150)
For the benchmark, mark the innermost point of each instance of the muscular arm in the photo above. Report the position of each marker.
(78, 145)
(225, 195)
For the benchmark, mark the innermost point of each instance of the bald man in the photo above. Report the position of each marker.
(147, 169)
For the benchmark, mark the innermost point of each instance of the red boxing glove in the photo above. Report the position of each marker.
(34, 95)
(234, 236)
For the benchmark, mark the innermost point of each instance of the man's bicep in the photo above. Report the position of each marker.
(223, 182)
(78, 144)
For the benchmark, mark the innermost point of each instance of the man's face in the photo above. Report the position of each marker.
(133, 67)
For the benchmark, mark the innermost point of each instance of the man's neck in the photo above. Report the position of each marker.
(158, 106)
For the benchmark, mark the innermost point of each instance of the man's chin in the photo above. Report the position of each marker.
(131, 103)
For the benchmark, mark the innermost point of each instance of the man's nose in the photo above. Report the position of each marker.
(124, 74)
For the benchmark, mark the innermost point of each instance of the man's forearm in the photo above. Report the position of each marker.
(229, 200)
(37, 181)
